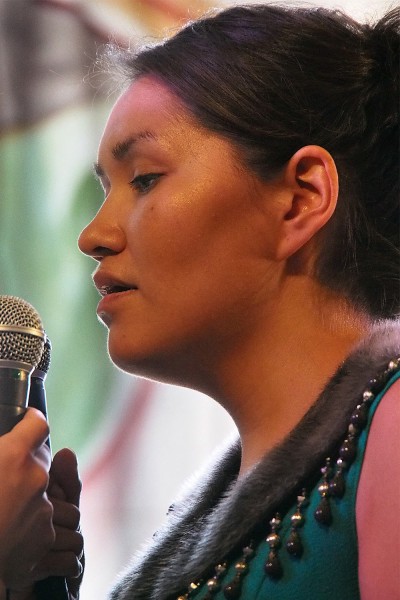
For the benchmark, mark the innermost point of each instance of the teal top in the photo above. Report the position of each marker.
(328, 567)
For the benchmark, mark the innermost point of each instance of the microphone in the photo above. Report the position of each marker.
(21, 346)
(51, 588)
(37, 392)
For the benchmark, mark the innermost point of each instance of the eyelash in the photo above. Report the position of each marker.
(144, 183)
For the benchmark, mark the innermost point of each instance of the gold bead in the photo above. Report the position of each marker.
(193, 586)
(241, 567)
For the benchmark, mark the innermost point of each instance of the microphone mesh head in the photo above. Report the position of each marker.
(44, 362)
(26, 347)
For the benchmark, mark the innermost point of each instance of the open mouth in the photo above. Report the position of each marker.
(105, 290)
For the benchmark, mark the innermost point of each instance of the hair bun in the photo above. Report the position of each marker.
(383, 47)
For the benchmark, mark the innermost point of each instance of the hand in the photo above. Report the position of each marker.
(66, 557)
(26, 528)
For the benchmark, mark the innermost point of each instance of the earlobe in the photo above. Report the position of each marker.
(312, 183)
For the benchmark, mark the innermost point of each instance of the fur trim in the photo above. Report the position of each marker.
(218, 513)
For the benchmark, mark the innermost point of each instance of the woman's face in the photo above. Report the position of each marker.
(180, 239)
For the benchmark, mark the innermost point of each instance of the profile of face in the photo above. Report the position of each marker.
(180, 240)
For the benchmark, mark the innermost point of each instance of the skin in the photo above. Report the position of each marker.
(216, 302)
(39, 515)
(26, 527)
(378, 504)
(207, 272)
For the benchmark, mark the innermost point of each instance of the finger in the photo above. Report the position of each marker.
(55, 491)
(32, 430)
(65, 514)
(59, 564)
(74, 583)
(64, 473)
(43, 455)
(68, 541)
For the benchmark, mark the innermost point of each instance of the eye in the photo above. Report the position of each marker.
(144, 183)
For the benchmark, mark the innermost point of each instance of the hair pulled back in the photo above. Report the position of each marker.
(274, 78)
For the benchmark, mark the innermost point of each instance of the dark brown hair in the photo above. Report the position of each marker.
(275, 78)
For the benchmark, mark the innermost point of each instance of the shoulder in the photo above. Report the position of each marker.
(378, 503)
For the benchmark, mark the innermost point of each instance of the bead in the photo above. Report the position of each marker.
(233, 590)
(241, 567)
(359, 417)
(184, 597)
(297, 519)
(276, 521)
(337, 485)
(302, 499)
(220, 569)
(274, 540)
(393, 365)
(323, 512)
(273, 566)
(248, 552)
(323, 488)
(193, 586)
(352, 430)
(375, 384)
(213, 584)
(326, 470)
(294, 545)
(348, 451)
(368, 396)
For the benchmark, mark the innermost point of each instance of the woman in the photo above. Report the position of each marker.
(248, 247)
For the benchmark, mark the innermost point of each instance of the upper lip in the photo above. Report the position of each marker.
(109, 284)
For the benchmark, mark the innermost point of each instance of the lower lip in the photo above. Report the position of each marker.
(107, 301)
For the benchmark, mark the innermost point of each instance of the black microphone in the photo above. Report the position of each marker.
(51, 588)
(37, 392)
(21, 346)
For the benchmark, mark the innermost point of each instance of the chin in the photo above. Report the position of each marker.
(156, 366)
(139, 362)
(125, 359)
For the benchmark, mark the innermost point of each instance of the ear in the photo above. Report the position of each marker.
(311, 183)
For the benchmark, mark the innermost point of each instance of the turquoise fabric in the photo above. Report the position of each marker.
(328, 568)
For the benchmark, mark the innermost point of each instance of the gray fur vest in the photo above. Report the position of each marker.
(217, 514)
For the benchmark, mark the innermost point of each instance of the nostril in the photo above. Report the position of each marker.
(101, 251)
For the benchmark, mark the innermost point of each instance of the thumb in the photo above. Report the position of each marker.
(64, 477)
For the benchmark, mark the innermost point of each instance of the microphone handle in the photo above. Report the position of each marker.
(51, 588)
(37, 396)
(14, 387)
(10, 415)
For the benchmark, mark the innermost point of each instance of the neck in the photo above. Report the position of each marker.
(275, 374)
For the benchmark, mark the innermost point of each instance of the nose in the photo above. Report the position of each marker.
(103, 236)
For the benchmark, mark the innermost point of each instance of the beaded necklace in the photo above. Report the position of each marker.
(333, 485)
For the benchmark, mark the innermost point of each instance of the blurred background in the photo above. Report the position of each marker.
(136, 441)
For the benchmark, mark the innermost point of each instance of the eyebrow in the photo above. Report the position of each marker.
(121, 149)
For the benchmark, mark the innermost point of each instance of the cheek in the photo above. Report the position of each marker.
(167, 236)
(198, 243)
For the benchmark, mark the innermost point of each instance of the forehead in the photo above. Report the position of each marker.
(147, 109)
